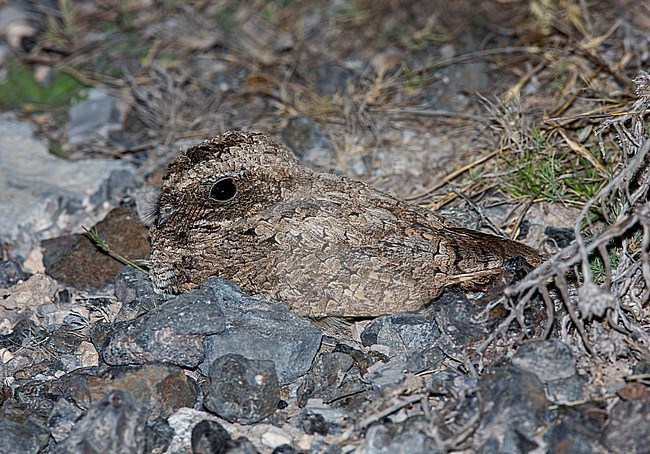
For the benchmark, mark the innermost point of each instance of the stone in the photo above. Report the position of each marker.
(172, 332)
(514, 400)
(392, 373)
(11, 272)
(21, 438)
(576, 430)
(318, 417)
(411, 435)
(159, 435)
(333, 377)
(62, 418)
(401, 333)
(159, 388)
(628, 430)
(242, 390)
(76, 261)
(261, 329)
(43, 196)
(548, 359)
(27, 295)
(134, 290)
(95, 116)
(113, 424)
(209, 437)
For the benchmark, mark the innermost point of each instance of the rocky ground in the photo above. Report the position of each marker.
(441, 103)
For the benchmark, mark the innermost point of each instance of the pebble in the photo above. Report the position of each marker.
(274, 437)
(401, 333)
(548, 359)
(95, 116)
(242, 390)
(134, 290)
(113, 424)
(410, 435)
(629, 417)
(210, 437)
(333, 377)
(515, 407)
(26, 295)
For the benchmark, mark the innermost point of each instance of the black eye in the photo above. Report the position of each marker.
(223, 190)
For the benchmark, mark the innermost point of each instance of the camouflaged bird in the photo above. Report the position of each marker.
(241, 207)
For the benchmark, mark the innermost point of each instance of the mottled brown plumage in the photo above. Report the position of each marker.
(240, 206)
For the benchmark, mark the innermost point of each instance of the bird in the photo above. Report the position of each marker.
(242, 207)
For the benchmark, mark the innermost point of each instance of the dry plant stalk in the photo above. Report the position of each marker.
(617, 299)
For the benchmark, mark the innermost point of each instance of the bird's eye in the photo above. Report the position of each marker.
(223, 190)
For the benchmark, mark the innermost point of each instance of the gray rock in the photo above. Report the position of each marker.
(62, 419)
(260, 329)
(575, 430)
(242, 390)
(323, 419)
(113, 424)
(514, 400)
(134, 290)
(170, 333)
(22, 438)
(411, 436)
(209, 436)
(565, 390)
(95, 116)
(548, 359)
(401, 333)
(392, 373)
(11, 271)
(455, 314)
(628, 430)
(159, 435)
(334, 376)
(43, 196)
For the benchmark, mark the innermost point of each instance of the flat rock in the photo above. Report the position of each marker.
(43, 196)
(260, 329)
(172, 332)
